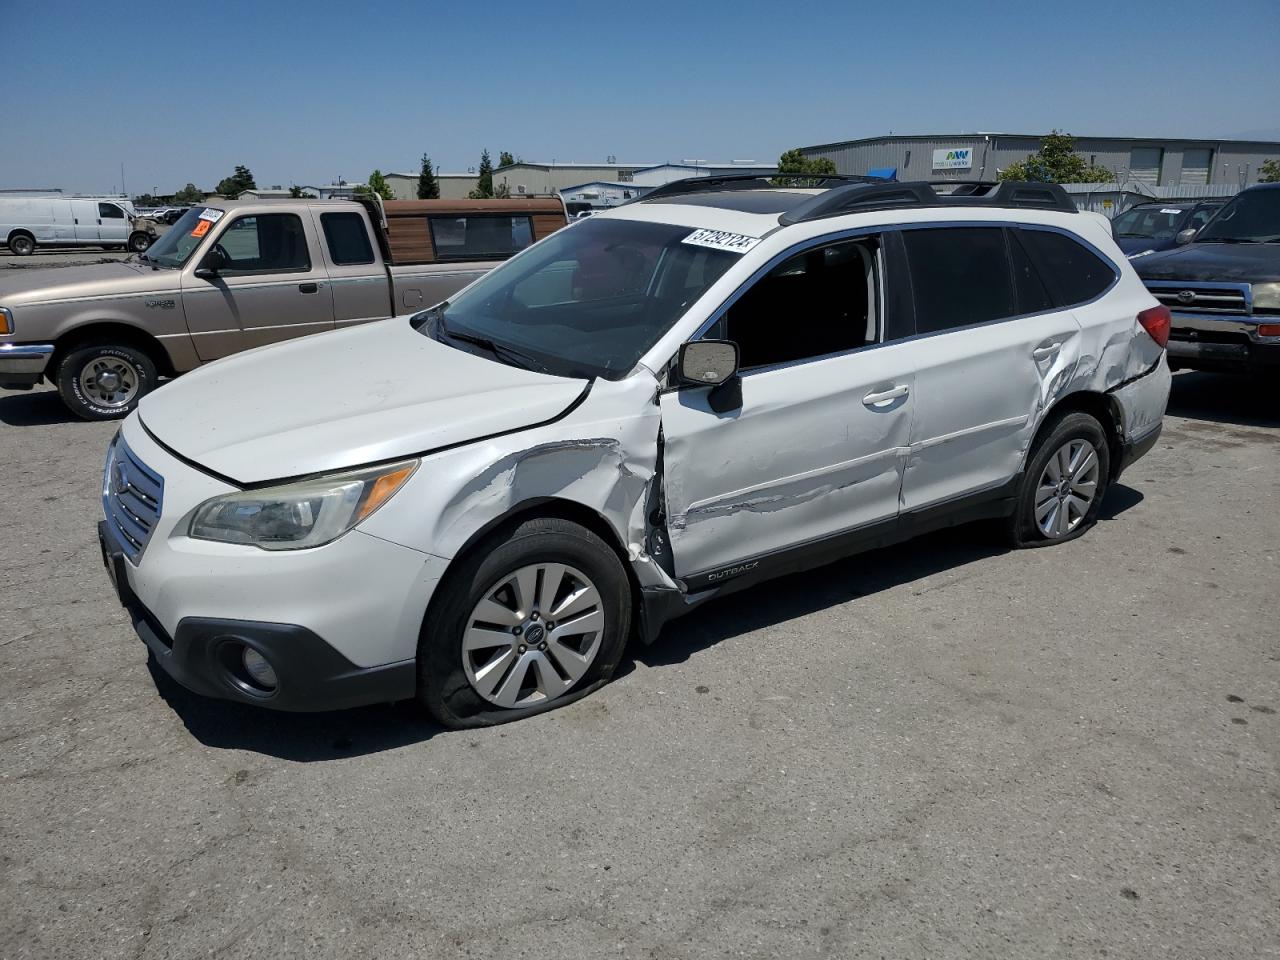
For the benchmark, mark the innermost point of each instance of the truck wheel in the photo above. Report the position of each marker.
(104, 381)
(22, 244)
(139, 241)
(535, 617)
(1062, 487)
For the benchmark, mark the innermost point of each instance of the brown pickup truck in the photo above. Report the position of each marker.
(232, 275)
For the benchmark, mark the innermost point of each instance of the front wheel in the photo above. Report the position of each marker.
(532, 619)
(104, 381)
(139, 242)
(1062, 487)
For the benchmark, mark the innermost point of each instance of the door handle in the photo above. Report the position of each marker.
(1045, 351)
(877, 398)
(309, 287)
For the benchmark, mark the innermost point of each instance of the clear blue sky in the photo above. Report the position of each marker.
(303, 92)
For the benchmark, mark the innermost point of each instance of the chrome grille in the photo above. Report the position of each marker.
(1202, 298)
(132, 496)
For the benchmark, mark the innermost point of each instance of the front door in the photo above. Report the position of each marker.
(815, 445)
(273, 286)
(990, 347)
(113, 224)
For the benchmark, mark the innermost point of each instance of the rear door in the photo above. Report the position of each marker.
(273, 288)
(358, 282)
(990, 345)
(813, 444)
(84, 216)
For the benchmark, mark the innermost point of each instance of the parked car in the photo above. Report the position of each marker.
(1151, 227)
(241, 274)
(30, 222)
(1224, 288)
(678, 398)
(150, 227)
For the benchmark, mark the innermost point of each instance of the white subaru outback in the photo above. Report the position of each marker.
(725, 381)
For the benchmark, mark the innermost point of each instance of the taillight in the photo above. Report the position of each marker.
(1157, 321)
(1269, 329)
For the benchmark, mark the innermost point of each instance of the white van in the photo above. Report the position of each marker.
(28, 222)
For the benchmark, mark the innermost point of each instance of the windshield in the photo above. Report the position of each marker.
(1251, 217)
(589, 300)
(180, 241)
(1155, 223)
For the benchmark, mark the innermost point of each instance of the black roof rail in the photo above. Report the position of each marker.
(749, 181)
(856, 197)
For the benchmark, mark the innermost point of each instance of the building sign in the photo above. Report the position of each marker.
(956, 158)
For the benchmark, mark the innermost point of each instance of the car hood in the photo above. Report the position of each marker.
(1237, 262)
(109, 278)
(343, 399)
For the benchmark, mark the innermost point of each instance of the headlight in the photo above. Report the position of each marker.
(6, 321)
(297, 515)
(1266, 296)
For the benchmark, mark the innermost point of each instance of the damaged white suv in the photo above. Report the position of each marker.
(725, 381)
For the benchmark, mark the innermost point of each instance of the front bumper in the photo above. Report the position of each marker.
(339, 623)
(23, 364)
(1221, 342)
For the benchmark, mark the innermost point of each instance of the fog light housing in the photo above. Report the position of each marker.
(258, 669)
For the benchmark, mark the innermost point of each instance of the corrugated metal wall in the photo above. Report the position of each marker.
(1130, 159)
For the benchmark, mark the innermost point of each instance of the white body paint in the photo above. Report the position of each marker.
(810, 453)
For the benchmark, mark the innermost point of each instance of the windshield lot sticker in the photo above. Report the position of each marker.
(213, 216)
(719, 240)
(1169, 210)
(201, 229)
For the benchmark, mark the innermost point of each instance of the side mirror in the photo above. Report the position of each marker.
(708, 363)
(213, 262)
(1185, 236)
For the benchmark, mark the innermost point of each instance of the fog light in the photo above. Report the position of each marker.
(255, 664)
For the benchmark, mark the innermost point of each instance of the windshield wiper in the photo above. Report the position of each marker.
(500, 351)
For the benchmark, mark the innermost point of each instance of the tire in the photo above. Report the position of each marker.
(139, 242)
(22, 244)
(1040, 502)
(450, 679)
(84, 379)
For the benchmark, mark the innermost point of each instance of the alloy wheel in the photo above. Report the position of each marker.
(109, 381)
(1067, 488)
(533, 635)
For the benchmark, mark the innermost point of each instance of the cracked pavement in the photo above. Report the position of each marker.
(938, 750)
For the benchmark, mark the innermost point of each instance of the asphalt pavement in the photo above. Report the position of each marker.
(939, 750)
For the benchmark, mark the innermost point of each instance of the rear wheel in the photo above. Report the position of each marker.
(104, 381)
(22, 244)
(532, 619)
(1062, 487)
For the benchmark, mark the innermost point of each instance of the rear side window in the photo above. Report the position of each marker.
(347, 238)
(1033, 296)
(959, 276)
(1073, 272)
(480, 237)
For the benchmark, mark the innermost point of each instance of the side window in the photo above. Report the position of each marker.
(480, 237)
(1033, 296)
(266, 243)
(959, 276)
(347, 237)
(109, 211)
(816, 303)
(1074, 273)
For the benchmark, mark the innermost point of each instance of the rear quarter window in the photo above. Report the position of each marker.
(1073, 272)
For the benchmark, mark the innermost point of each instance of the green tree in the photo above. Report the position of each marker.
(502, 191)
(300, 193)
(795, 162)
(484, 184)
(377, 185)
(428, 185)
(505, 159)
(237, 183)
(1056, 162)
(189, 194)
(1269, 172)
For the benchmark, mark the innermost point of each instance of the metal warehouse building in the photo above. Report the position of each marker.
(1152, 162)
